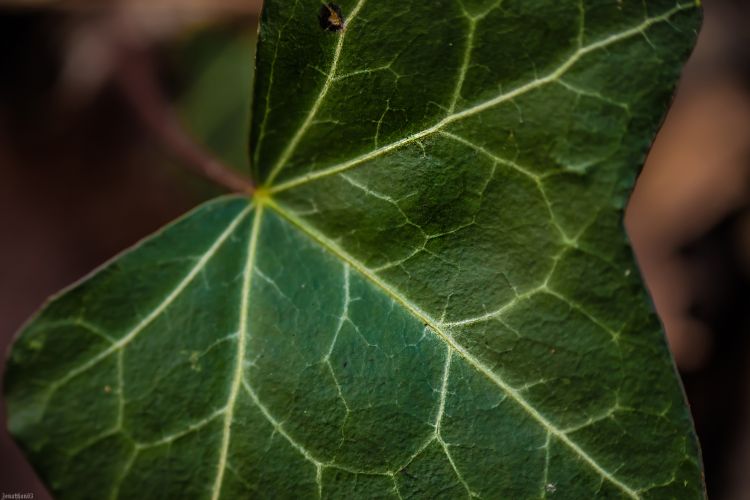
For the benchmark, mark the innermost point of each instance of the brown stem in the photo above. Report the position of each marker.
(137, 78)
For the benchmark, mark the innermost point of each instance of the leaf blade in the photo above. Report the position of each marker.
(440, 297)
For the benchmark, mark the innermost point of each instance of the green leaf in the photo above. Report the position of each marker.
(432, 294)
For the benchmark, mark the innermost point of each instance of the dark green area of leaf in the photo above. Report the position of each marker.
(431, 295)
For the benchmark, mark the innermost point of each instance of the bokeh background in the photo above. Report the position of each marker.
(98, 103)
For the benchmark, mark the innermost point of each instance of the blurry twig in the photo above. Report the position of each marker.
(137, 77)
(116, 44)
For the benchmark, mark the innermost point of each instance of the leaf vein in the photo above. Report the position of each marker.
(156, 312)
(330, 79)
(241, 349)
(446, 337)
(473, 110)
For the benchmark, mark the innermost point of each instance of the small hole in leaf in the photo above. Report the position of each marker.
(330, 17)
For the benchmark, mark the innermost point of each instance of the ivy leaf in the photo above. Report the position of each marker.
(431, 295)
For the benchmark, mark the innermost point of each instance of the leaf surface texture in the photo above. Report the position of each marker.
(430, 296)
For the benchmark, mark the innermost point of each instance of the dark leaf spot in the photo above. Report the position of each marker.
(330, 17)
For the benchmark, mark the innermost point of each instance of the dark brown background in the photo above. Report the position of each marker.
(82, 178)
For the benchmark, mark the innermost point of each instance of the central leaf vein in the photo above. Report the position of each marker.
(241, 349)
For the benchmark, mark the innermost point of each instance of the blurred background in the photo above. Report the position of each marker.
(98, 105)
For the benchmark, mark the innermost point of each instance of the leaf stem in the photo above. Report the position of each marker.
(136, 77)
